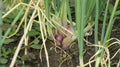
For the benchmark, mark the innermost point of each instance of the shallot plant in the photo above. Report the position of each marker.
(54, 21)
(82, 7)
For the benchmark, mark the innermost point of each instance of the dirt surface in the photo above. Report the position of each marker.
(64, 58)
(68, 57)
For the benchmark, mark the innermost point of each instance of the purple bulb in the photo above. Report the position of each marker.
(59, 38)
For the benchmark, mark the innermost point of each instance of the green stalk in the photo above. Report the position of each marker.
(96, 23)
(63, 12)
(109, 28)
(0, 22)
(47, 7)
(104, 21)
(69, 12)
(90, 7)
(80, 8)
(56, 5)
(96, 30)
(47, 11)
(108, 32)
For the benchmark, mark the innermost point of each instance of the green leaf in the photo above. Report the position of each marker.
(35, 41)
(3, 60)
(7, 41)
(33, 32)
(13, 14)
(117, 12)
(37, 46)
(2, 66)
(6, 52)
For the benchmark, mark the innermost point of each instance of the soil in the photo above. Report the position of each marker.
(68, 57)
